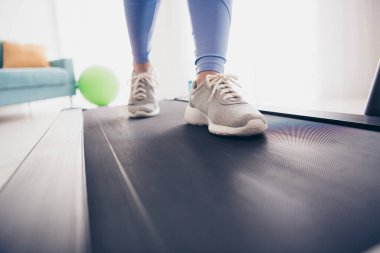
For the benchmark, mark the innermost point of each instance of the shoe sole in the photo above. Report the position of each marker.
(195, 117)
(143, 114)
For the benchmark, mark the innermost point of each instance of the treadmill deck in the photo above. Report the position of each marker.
(160, 185)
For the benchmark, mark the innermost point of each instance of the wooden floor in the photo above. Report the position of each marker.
(43, 203)
(20, 130)
(22, 126)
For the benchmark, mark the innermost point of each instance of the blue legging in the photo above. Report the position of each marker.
(210, 19)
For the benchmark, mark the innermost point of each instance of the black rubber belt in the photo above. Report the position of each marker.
(159, 185)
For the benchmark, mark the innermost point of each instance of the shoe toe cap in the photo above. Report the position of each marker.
(148, 107)
(243, 119)
(238, 116)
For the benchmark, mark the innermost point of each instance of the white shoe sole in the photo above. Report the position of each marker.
(195, 117)
(142, 114)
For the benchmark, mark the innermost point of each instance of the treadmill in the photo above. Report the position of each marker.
(311, 183)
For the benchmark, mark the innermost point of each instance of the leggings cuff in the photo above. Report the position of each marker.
(212, 63)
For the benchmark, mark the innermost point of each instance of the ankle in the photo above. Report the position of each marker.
(202, 76)
(141, 68)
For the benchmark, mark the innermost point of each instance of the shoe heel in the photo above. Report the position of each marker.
(195, 117)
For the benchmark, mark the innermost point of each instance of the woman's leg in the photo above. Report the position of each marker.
(141, 16)
(211, 22)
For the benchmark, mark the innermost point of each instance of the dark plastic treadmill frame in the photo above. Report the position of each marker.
(373, 105)
(350, 120)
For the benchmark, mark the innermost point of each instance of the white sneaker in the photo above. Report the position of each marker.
(142, 100)
(216, 104)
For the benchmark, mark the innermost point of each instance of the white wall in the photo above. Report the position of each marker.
(32, 22)
(349, 45)
(284, 52)
(173, 48)
(316, 54)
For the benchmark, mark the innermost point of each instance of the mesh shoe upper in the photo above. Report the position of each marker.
(221, 103)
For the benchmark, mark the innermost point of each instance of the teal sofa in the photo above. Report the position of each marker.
(20, 85)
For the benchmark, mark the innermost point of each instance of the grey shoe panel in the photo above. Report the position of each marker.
(199, 98)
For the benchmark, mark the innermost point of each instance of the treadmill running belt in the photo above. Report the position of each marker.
(160, 185)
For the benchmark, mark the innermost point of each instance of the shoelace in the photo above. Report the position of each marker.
(223, 82)
(138, 87)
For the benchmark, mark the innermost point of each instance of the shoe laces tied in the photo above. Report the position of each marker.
(139, 82)
(223, 82)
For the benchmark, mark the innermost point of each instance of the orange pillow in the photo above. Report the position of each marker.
(21, 56)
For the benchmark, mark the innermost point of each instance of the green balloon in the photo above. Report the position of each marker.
(99, 85)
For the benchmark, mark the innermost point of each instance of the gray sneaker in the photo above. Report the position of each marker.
(216, 104)
(142, 100)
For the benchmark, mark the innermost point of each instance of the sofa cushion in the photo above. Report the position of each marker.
(19, 78)
(1, 54)
(23, 56)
